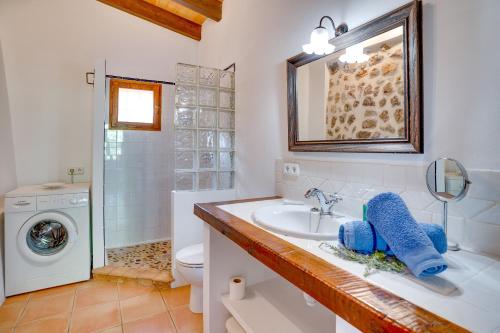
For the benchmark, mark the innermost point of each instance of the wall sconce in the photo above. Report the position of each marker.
(354, 54)
(319, 43)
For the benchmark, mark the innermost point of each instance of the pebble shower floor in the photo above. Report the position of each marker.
(153, 255)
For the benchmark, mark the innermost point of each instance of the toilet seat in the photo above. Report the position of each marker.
(189, 266)
(190, 256)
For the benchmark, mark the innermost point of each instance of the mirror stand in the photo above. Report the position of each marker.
(447, 181)
(452, 246)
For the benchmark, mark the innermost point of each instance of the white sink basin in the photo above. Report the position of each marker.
(295, 221)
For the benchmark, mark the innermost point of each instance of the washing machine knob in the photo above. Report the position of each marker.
(73, 201)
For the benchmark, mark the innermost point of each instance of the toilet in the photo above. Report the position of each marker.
(189, 264)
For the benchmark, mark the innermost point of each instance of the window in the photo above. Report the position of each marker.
(134, 105)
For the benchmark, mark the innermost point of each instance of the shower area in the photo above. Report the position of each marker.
(138, 173)
(159, 137)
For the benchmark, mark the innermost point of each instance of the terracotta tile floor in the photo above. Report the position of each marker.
(101, 306)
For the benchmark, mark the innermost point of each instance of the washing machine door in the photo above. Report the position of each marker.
(47, 236)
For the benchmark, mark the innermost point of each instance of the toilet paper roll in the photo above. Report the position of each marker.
(237, 286)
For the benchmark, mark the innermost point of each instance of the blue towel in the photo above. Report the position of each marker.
(392, 220)
(361, 237)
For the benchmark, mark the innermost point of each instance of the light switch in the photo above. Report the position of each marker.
(291, 169)
(76, 171)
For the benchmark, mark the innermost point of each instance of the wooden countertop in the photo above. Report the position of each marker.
(364, 305)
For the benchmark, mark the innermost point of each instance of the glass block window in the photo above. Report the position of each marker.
(204, 129)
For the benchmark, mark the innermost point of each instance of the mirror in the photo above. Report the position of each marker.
(447, 180)
(365, 97)
(356, 93)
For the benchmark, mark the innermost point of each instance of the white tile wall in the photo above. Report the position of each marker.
(138, 178)
(474, 221)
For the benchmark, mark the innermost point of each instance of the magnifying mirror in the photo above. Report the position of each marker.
(447, 180)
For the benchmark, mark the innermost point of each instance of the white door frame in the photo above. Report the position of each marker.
(98, 251)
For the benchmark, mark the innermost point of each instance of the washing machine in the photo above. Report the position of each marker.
(47, 237)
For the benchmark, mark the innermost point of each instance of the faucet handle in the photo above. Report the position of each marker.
(310, 192)
(335, 198)
(332, 200)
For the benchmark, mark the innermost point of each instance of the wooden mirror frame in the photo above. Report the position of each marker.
(408, 16)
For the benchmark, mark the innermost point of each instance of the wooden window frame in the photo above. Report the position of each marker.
(114, 86)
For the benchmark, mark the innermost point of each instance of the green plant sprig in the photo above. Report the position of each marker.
(377, 261)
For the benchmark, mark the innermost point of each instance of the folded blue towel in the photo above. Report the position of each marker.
(393, 221)
(361, 237)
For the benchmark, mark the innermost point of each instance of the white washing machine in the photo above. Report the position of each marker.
(47, 237)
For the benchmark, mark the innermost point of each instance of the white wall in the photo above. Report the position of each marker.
(7, 159)
(460, 78)
(47, 47)
(7, 162)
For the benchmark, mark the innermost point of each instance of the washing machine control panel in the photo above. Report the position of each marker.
(62, 201)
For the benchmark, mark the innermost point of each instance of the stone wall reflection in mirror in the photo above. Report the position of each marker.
(356, 93)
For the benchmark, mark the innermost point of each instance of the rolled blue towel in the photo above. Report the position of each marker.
(361, 237)
(393, 221)
(437, 236)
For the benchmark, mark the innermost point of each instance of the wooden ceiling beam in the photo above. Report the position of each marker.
(157, 16)
(209, 8)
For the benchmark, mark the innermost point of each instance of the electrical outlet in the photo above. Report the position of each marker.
(291, 169)
(76, 171)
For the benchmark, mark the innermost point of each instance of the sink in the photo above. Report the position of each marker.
(296, 221)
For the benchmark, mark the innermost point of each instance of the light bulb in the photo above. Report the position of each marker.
(354, 54)
(319, 43)
(307, 48)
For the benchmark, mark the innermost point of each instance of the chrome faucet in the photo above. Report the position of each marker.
(326, 202)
